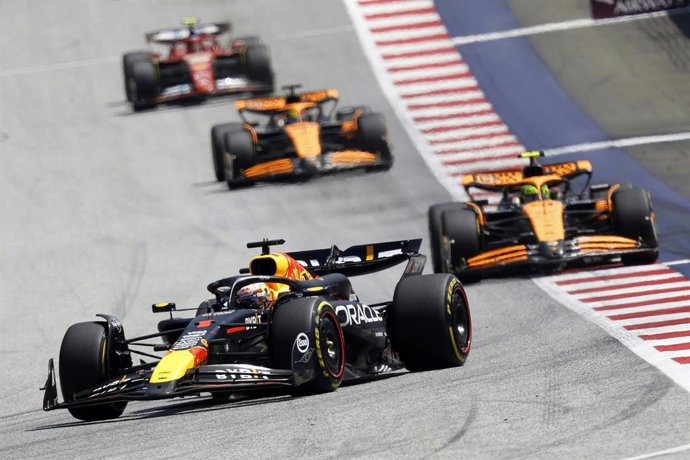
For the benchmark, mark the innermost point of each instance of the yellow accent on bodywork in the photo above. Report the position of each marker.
(173, 366)
(370, 252)
(449, 298)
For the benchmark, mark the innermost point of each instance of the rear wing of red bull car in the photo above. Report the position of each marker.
(363, 259)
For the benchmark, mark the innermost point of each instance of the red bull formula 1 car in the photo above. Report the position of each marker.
(298, 135)
(288, 320)
(543, 220)
(196, 64)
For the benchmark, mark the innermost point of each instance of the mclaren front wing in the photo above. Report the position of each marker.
(586, 250)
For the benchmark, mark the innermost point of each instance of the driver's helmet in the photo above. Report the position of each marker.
(293, 116)
(256, 295)
(529, 193)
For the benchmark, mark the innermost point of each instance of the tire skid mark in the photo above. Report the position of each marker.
(469, 420)
(131, 285)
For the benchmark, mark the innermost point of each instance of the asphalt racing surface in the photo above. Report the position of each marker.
(105, 211)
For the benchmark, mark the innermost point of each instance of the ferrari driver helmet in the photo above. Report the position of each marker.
(255, 295)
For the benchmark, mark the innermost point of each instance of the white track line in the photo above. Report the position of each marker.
(626, 142)
(677, 262)
(659, 453)
(59, 66)
(561, 26)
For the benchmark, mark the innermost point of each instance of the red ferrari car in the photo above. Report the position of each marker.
(195, 64)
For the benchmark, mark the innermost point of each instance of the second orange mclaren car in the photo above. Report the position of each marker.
(298, 135)
(542, 221)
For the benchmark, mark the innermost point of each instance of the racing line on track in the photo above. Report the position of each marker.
(457, 131)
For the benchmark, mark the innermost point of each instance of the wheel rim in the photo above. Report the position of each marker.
(461, 323)
(331, 345)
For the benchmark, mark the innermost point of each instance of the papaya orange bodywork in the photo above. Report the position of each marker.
(352, 157)
(275, 167)
(510, 254)
(305, 138)
(546, 218)
(605, 243)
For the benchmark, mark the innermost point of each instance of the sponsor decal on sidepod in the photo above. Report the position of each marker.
(357, 314)
(302, 342)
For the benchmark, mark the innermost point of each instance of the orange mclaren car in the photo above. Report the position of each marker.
(298, 135)
(548, 216)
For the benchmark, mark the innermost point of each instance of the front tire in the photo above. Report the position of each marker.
(128, 61)
(218, 134)
(436, 234)
(143, 85)
(429, 322)
(462, 228)
(315, 318)
(84, 365)
(238, 157)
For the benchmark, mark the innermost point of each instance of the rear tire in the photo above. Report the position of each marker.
(372, 136)
(239, 155)
(84, 365)
(437, 302)
(436, 233)
(257, 61)
(316, 318)
(218, 134)
(347, 113)
(604, 194)
(247, 41)
(632, 214)
(128, 61)
(463, 231)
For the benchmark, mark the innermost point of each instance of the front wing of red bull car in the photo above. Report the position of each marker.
(308, 333)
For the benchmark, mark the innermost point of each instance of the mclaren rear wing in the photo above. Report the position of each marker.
(363, 259)
(272, 103)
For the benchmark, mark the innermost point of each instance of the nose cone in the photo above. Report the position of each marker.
(552, 249)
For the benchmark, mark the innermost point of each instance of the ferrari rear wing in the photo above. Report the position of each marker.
(181, 33)
(363, 259)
